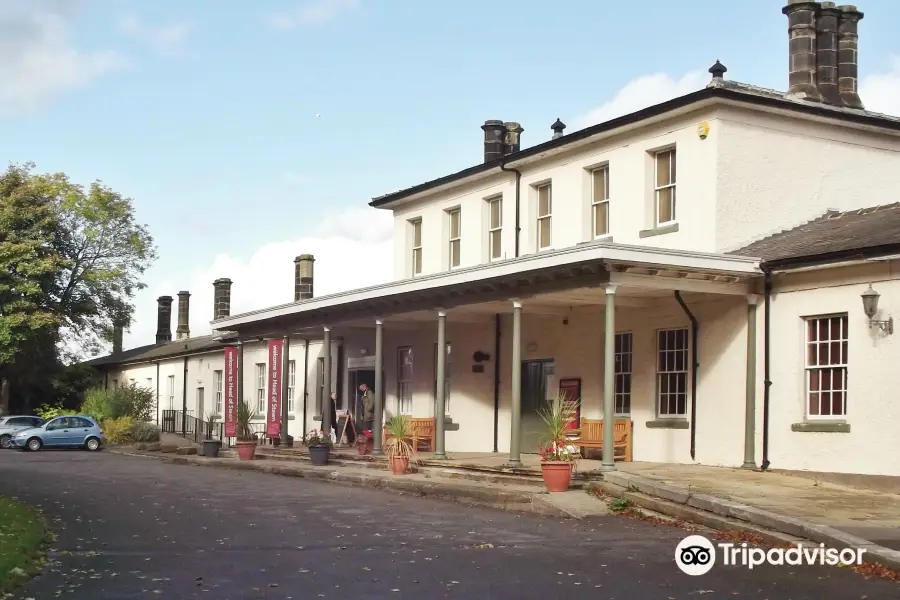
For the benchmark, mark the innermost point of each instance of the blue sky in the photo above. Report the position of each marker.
(205, 112)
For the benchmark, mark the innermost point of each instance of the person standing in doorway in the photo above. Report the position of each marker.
(368, 401)
(334, 423)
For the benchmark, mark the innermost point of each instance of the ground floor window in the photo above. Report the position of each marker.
(404, 380)
(671, 372)
(624, 345)
(171, 390)
(260, 389)
(292, 385)
(218, 388)
(320, 385)
(826, 367)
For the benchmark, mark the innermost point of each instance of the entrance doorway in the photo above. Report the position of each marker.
(354, 397)
(538, 391)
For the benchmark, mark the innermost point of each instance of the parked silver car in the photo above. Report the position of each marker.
(11, 424)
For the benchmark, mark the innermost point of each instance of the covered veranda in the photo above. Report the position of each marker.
(551, 284)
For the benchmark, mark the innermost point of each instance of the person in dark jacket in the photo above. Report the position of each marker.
(368, 401)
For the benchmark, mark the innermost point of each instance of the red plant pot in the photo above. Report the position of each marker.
(399, 464)
(557, 475)
(246, 450)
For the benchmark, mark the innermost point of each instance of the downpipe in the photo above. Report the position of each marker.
(518, 210)
(767, 376)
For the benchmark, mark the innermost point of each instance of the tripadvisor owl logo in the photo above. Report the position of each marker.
(695, 555)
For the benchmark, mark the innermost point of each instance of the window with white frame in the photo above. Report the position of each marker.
(404, 380)
(544, 216)
(448, 369)
(665, 186)
(826, 367)
(495, 227)
(416, 249)
(623, 348)
(600, 201)
(672, 372)
(292, 384)
(171, 389)
(218, 382)
(260, 388)
(454, 250)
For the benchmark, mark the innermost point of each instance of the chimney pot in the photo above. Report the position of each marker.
(513, 138)
(164, 319)
(118, 335)
(303, 277)
(221, 298)
(183, 331)
(494, 139)
(558, 128)
(718, 70)
(827, 53)
(802, 17)
(848, 56)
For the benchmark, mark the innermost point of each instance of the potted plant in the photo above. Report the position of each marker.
(210, 445)
(319, 444)
(246, 439)
(398, 449)
(558, 455)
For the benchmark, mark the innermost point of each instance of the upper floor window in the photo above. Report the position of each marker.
(544, 216)
(826, 367)
(600, 201)
(495, 227)
(453, 215)
(665, 187)
(416, 249)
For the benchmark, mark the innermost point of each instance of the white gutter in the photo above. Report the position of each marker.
(621, 253)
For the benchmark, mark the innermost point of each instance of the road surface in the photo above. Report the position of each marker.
(132, 527)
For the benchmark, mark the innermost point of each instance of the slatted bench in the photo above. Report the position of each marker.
(590, 435)
(423, 430)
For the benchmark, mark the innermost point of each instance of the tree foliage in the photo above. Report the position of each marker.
(71, 260)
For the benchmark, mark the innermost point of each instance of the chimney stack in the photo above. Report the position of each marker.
(221, 298)
(827, 53)
(494, 139)
(848, 56)
(558, 128)
(802, 17)
(118, 334)
(303, 276)
(164, 320)
(513, 138)
(183, 330)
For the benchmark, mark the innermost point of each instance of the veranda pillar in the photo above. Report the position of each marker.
(377, 424)
(326, 381)
(440, 403)
(285, 375)
(609, 381)
(750, 400)
(515, 437)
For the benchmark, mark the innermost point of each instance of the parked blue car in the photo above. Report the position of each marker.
(70, 431)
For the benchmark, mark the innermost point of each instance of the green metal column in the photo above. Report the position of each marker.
(609, 381)
(515, 438)
(750, 416)
(377, 424)
(439, 408)
(326, 382)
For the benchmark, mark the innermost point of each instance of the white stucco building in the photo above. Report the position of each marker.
(696, 267)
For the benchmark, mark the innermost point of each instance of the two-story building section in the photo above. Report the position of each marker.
(700, 274)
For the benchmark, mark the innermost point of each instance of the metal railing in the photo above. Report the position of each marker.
(196, 430)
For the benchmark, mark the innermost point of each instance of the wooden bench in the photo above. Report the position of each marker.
(423, 430)
(590, 435)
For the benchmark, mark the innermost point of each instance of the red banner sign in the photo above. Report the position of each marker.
(273, 420)
(230, 384)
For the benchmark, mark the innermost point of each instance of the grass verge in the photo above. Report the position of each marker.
(23, 533)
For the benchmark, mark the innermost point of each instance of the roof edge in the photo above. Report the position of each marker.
(808, 260)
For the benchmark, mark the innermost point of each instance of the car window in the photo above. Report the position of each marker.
(81, 422)
(22, 421)
(58, 423)
(37, 421)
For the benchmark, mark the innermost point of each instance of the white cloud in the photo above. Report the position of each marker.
(880, 92)
(314, 12)
(166, 39)
(642, 92)
(37, 58)
(353, 249)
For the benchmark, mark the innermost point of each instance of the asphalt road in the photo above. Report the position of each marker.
(131, 527)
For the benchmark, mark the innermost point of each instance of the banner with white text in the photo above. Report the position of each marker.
(273, 419)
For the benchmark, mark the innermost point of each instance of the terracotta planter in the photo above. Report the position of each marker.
(557, 475)
(246, 450)
(318, 455)
(399, 464)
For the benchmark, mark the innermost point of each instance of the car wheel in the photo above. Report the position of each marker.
(34, 444)
(4, 441)
(92, 444)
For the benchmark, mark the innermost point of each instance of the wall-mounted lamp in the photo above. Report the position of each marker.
(480, 356)
(870, 306)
